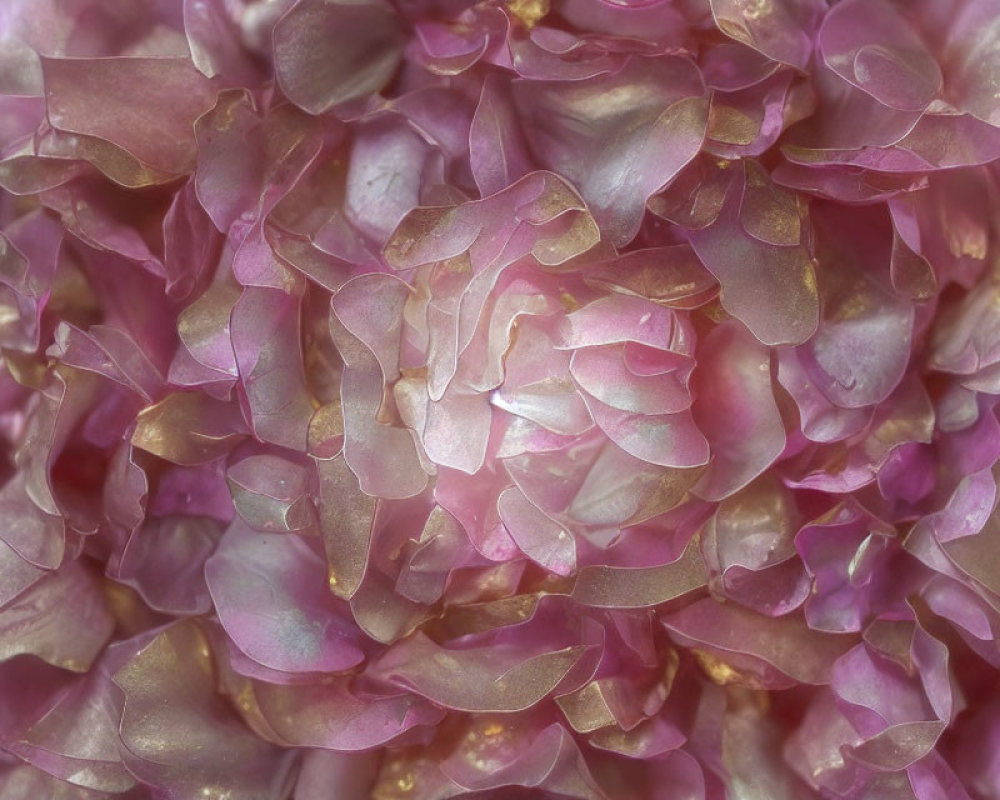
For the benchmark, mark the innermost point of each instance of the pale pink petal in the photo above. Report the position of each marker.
(271, 594)
(736, 410)
(541, 538)
(498, 151)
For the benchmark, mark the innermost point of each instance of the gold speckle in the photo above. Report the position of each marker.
(731, 126)
(721, 672)
(670, 671)
(569, 302)
(460, 264)
(755, 9)
(972, 244)
(405, 783)
(587, 709)
(493, 729)
(529, 12)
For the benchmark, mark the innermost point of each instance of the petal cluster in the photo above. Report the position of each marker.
(425, 399)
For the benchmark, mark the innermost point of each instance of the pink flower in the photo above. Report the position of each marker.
(566, 398)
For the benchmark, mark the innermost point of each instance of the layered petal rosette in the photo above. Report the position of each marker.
(427, 399)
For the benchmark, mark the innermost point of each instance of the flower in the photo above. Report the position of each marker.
(426, 399)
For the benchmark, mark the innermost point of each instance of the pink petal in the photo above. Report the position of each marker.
(875, 48)
(735, 408)
(271, 493)
(326, 53)
(61, 619)
(782, 32)
(774, 651)
(498, 151)
(669, 440)
(146, 106)
(330, 716)
(541, 538)
(573, 134)
(164, 561)
(271, 594)
(770, 288)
